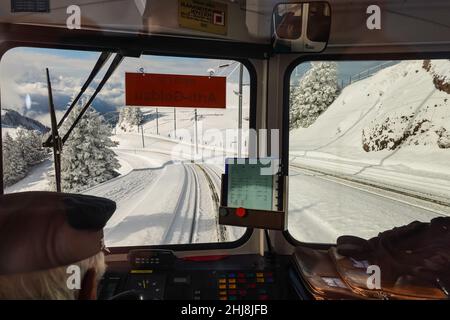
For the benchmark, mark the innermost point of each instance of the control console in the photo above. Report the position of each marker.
(159, 275)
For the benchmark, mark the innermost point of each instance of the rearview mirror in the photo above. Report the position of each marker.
(301, 27)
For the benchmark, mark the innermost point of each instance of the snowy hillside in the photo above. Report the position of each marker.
(397, 120)
(377, 158)
(13, 119)
(210, 121)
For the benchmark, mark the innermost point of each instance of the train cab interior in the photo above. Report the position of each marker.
(228, 149)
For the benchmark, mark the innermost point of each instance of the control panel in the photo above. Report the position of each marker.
(240, 277)
(243, 285)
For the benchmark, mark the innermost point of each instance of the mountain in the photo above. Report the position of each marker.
(13, 119)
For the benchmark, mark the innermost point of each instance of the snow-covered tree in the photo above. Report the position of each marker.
(87, 158)
(14, 165)
(129, 118)
(293, 110)
(30, 144)
(315, 92)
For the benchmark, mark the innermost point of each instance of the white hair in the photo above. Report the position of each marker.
(48, 284)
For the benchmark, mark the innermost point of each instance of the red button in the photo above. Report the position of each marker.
(240, 212)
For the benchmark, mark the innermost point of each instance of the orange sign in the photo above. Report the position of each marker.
(167, 90)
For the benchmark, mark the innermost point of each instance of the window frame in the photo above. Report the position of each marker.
(286, 97)
(10, 45)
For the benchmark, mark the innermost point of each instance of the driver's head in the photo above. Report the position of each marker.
(51, 245)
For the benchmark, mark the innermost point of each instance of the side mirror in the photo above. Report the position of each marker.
(301, 27)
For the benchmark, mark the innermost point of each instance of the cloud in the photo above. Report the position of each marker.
(22, 73)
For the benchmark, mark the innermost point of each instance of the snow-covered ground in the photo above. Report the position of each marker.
(322, 208)
(161, 201)
(354, 171)
(216, 127)
(404, 90)
(384, 130)
(37, 179)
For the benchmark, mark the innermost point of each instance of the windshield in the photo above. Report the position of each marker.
(369, 146)
(161, 165)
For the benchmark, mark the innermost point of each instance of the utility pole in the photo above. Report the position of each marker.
(142, 135)
(175, 122)
(241, 75)
(196, 132)
(157, 122)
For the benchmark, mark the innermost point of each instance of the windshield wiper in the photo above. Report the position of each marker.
(54, 140)
(116, 62)
(98, 66)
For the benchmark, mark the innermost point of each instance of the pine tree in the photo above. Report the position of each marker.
(136, 116)
(123, 115)
(87, 158)
(30, 144)
(316, 91)
(293, 110)
(14, 165)
(129, 118)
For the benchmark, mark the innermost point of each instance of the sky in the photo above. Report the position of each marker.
(346, 69)
(22, 74)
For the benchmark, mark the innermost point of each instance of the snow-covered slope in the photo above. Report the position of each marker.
(12, 119)
(210, 123)
(398, 119)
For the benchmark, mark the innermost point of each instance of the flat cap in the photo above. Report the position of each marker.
(44, 230)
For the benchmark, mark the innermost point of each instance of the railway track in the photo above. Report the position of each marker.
(182, 228)
(438, 207)
(213, 179)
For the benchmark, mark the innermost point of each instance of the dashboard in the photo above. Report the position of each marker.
(159, 275)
